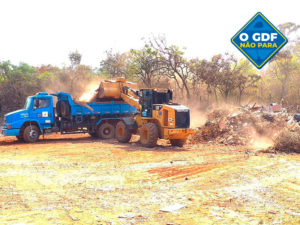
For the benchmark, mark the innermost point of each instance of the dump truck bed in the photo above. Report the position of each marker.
(102, 109)
(96, 108)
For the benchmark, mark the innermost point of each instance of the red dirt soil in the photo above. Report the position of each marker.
(74, 179)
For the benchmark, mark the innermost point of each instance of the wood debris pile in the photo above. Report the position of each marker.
(242, 126)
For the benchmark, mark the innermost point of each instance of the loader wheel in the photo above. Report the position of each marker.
(149, 135)
(123, 134)
(31, 134)
(106, 131)
(177, 142)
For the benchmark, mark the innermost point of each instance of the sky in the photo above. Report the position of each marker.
(46, 31)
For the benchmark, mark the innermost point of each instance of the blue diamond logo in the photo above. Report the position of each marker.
(259, 40)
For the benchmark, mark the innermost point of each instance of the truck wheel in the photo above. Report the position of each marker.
(149, 135)
(106, 131)
(177, 142)
(64, 108)
(58, 109)
(123, 134)
(31, 134)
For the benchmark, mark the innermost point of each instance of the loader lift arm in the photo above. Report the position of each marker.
(129, 96)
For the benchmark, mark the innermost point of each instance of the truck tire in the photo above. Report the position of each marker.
(177, 142)
(31, 134)
(106, 131)
(123, 134)
(58, 109)
(149, 135)
(64, 108)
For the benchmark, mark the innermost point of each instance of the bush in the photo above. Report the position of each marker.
(288, 141)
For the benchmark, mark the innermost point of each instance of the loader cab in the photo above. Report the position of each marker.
(158, 104)
(150, 97)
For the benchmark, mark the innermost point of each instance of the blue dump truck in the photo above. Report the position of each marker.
(39, 117)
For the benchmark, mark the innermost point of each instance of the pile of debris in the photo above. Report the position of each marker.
(243, 125)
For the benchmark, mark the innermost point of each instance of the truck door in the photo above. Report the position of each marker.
(43, 111)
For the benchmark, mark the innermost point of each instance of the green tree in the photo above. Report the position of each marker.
(75, 59)
(285, 64)
(117, 64)
(146, 64)
(247, 77)
(173, 63)
(16, 83)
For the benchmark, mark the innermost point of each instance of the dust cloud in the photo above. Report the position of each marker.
(80, 90)
(89, 91)
(261, 142)
(198, 118)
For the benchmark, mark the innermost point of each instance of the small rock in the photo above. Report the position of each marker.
(126, 216)
(173, 208)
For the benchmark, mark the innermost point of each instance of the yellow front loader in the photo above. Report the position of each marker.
(158, 117)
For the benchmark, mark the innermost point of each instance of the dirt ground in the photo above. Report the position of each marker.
(79, 180)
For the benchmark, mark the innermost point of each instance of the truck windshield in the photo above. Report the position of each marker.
(27, 103)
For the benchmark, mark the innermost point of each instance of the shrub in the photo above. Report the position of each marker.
(288, 141)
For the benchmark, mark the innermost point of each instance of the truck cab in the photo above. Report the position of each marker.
(28, 123)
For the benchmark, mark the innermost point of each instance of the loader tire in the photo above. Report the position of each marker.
(123, 134)
(177, 142)
(31, 134)
(149, 135)
(106, 131)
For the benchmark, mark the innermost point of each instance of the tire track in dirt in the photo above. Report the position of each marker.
(179, 172)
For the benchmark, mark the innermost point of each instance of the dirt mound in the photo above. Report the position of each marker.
(241, 126)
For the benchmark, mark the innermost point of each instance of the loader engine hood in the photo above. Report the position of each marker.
(16, 115)
(179, 108)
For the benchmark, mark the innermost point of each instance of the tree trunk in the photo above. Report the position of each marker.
(226, 93)
(186, 89)
(283, 89)
(240, 96)
(208, 95)
(216, 96)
